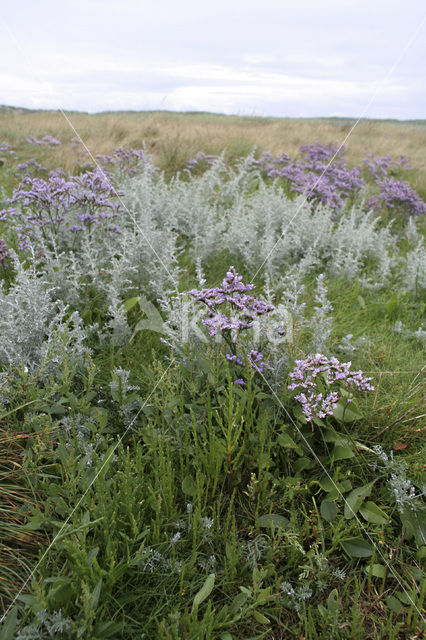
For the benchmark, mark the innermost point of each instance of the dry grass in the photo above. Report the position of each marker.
(172, 138)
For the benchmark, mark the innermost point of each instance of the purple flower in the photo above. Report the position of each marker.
(239, 381)
(331, 371)
(233, 292)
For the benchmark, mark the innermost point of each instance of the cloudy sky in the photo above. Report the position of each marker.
(247, 57)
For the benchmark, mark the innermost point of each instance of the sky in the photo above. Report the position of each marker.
(298, 58)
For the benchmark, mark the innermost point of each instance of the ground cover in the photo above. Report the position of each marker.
(211, 393)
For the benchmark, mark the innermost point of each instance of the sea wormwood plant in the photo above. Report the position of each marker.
(34, 327)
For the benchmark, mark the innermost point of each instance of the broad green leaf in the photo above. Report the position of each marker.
(356, 498)
(272, 520)
(333, 604)
(189, 486)
(327, 483)
(259, 617)
(344, 412)
(288, 443)
(96, 593)
(357, 547)
(225, 636)
(394, 604)
(238, 602)
(204, 592)
(376, 570)
(130, 303)
(328, 510)
(416, 523)
(7, 629)
(342, 453)
(303, 463)
(372, 513)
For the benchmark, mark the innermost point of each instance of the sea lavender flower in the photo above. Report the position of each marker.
(233, 292)
(201, 160)
(398, 196)
(318, 367)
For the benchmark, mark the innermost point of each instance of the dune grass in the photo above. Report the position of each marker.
(172, 138)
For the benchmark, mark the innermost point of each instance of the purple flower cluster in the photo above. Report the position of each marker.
(321, 184)
(48, 141)
(201, 159)
(379, 167)
(398, 196)
(3, 254)
(32, 165)
(6, 148)
(254, 358)
(126, 160)
(76, 202)
(234, 292)
(330, 371)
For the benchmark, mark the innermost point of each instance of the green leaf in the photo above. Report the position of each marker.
(342, 453)
(96, 593)
(7, 630)
(357, 548)
(303, 463)
(288, 443)
(328, 510)
(272, 520)
(376, 570)
(356, 498)
(108, 628)
(327, 483)
(372, 513)
(394, 604)
(130, 303)
(333, 604)
(204, 592)
(238, 602)
(344, 412)
(259, 617)
(225, 636)
(189, 486)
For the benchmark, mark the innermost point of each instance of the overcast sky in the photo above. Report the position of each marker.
(248, 57)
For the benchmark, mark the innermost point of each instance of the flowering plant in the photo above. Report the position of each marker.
(244, 309)
(317, 369)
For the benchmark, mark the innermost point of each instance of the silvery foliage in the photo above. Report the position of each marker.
(125, 394)
(36, 330)
(55, 624)
(404, 493)
(419, 334)
(413, 266)
(117, 324)
(349, 346)
(182, 328)
(265, 228)
(321, 320)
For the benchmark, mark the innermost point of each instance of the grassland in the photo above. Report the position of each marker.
(173, 138)
(145, 494)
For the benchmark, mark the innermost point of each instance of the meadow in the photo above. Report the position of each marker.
(211, 377)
